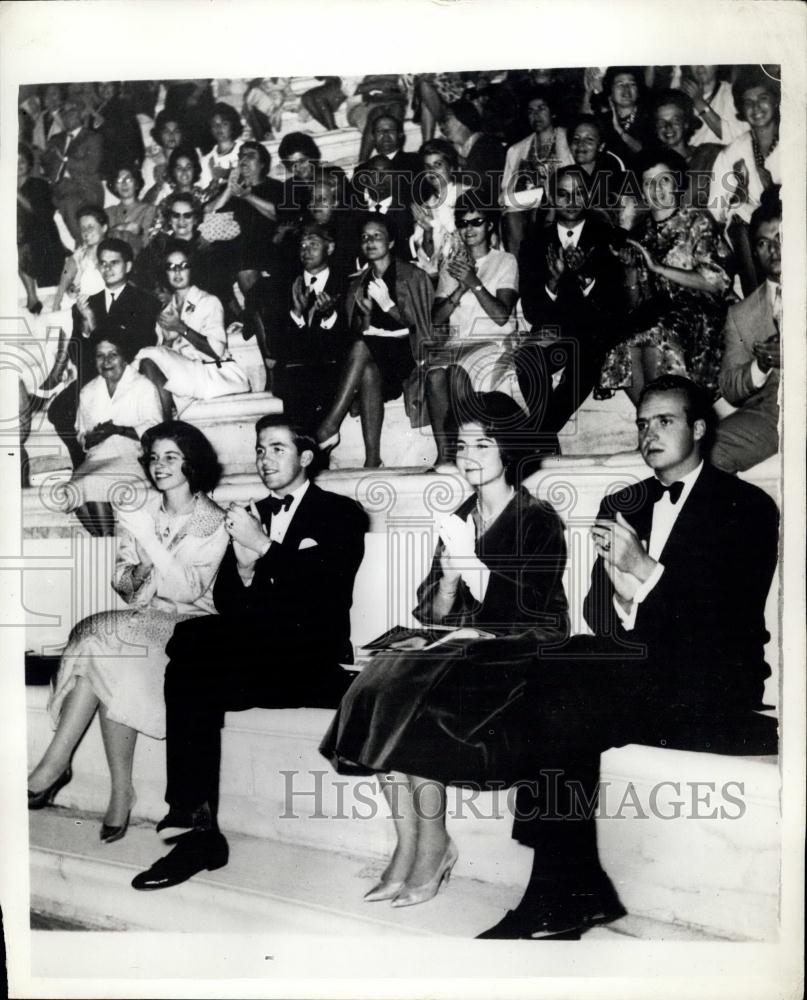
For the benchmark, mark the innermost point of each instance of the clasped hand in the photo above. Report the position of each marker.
(379, 293)
(244, 527)
(768, 353)
(459, 546)
(623, 555)
(463, 272)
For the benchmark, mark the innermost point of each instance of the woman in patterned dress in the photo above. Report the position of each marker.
(168, 556)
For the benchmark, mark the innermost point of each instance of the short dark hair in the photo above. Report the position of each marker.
(95, 212)
(389, 117)
(189, 153)
(502, 419)
(585, 119)
(755, 76)
(321, 229)
(228, 112)
(384, 221)
(109, 331)
(540, 92)
(614, 71)
(697, 401)
(173, 245)
(473, 201)
(769, 208)
(298, 142)
(303, 440)
(201, 465)
(465, 113)
(264, 156)
(188, 197)
(133, 169)
(162, 119)
(116, 246)
(684, 104)
(661, 155)
(568, 170)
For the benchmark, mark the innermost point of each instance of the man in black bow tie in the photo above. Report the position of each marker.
(283, 595)
(676, 605)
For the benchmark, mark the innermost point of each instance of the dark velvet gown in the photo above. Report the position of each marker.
(452, 713)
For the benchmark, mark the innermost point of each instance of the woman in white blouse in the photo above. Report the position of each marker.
(713, 103)
(193, 361)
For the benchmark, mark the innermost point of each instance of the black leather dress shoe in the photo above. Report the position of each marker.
(193, 853)
(558, 917)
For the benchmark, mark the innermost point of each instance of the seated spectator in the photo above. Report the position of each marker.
(529, 164)
(678, 287)
(218, 164)
(192, 361)
(622, 113)
(752, 357)
(748, 166)
(382, 195)
(674, 122)
(131, 220)
(322, 102)
(481, 154)
(301, 159)
(115, 410)
(474, 307)
(388, 311)
(263, 106)
(181, 177)
(343, 223)
(72, 163)
(48, 120)
(601, 173)
(309, 350)
(167, 135)
(710, 93)
(388, 140)
(380, 95)
(434, 197)
(572, 295)
(80, 275)
(114, 119)
(40, 254)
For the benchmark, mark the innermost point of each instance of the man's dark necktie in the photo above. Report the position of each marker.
(276, 504)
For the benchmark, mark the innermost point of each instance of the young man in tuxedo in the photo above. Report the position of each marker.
(572, 294)
(684, 563)
(752, 358)
(309, 349)
(120, 306)
(283, 595)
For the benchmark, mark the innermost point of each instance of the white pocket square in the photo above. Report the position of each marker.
(307, 543)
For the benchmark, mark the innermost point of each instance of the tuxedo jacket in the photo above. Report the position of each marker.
(747, 323)
(701, 629)
(84, 156)
(302, 590)
(311, 344)
(405, 166)
(134, 312)
(571, 308)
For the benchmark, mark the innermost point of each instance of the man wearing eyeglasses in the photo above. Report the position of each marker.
(752, 359)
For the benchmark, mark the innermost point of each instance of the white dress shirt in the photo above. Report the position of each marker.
(277, 529)
(315, 283)
(665, 514)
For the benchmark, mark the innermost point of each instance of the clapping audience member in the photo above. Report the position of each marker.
(752, 357)
(114, 662)
(622, 112)
(72, 163)
(678, 285)
(674, 122)
(383, 195)
(342, 221)
(40, 253)
(710, 93)
(481, 154)
(192, 361)
(528, 166)
(388, 140)
(388, 312)
(601, 172)
(434, 197)
(168, 135)
(80, 275)
(131, 220)
(226, 129)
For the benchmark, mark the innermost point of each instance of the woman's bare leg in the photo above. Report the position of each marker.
(429, 801)
(398, 793)
(29, 284)
(154, 374)
(431, 109)
(371, 412)
(438, 404)
(77, 712)
(119, 744)
(349, 382)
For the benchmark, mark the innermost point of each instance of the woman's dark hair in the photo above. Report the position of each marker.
(25, 152)
(755, 76)
(162, 119)
(502, 419)
(228, 112)
(188, 198)
(540, 92)
(131, 168)
(94, 212)
(668, 158)
(173, 245)
(188, 153)
(201, 466)
(298, 142)
(112, 334)
(684, 104)
(264, 156)
(444, 148)
(472, 201)
(384, 221)
(614, 71)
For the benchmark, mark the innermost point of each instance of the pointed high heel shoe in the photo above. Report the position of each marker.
(38, 800)
(383, 890)
(109, 834)
(410, 895)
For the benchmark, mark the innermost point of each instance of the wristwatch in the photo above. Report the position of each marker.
(477, 288)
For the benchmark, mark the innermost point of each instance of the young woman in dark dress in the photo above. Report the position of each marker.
(421, 719)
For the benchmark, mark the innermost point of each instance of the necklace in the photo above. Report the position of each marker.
(627, 122)
(759, 159)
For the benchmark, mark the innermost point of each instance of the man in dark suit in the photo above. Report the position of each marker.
(283, 596)
(384, 194)
(572, 294)
(72, 163)
(481, 154)
(309, 348)
(389, 139)
(752, 358)
(121, 306)
(676, 604)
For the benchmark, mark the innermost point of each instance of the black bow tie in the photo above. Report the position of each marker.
(656, 490)
(276, 504)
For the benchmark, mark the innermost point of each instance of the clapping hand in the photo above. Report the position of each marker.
(248, 534)
(622, 553)
(422, 216)
(768, 353)
(463, 272)
(298, 297)
(324, 304)
(740, 174)
(236, 186)
(379, 293)
(169, 321)
(556, 265)
(693, 91)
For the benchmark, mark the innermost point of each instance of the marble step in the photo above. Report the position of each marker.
(670, 853)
